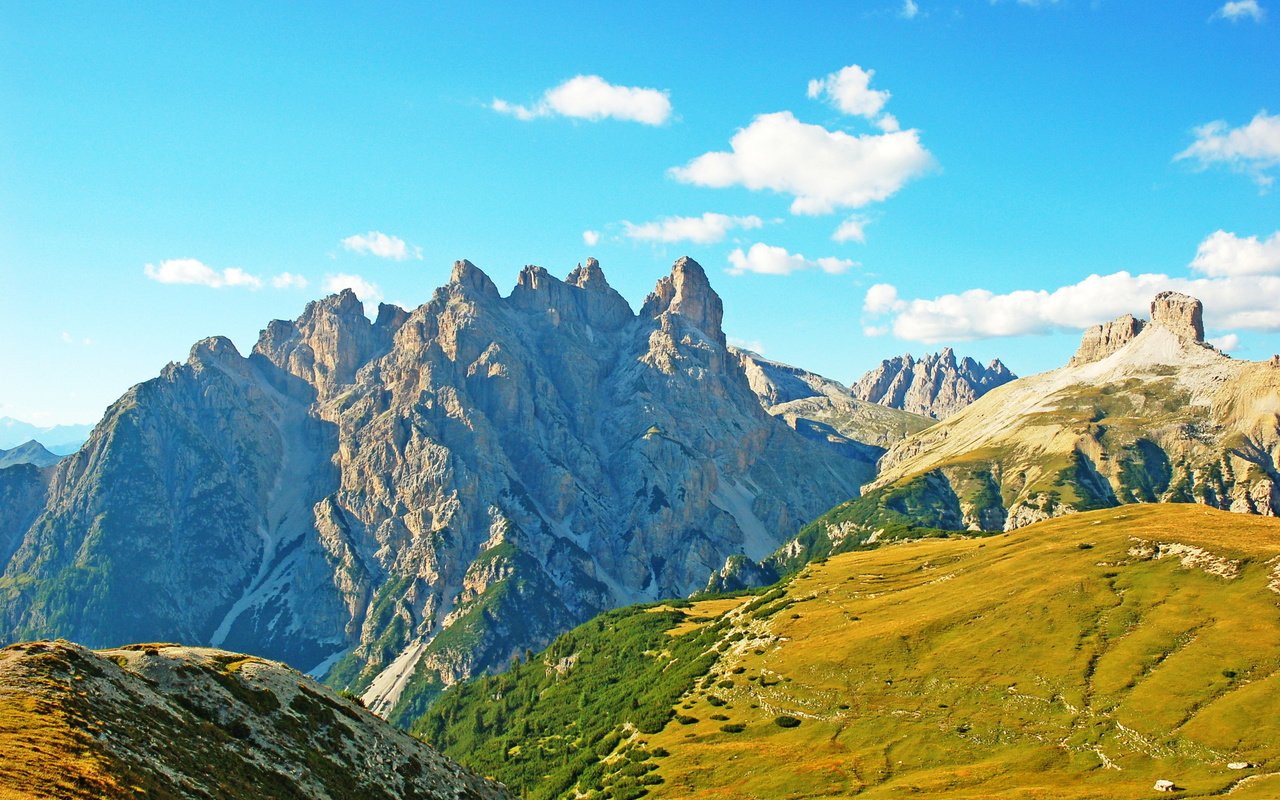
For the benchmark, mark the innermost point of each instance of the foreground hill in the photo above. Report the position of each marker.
(1083, 657)
(165, 721)
(410, 501)
(1145, 412)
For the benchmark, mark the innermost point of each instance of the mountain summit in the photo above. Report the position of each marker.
(406, 502)
(937, 385)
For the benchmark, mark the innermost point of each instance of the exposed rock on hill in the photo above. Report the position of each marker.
(406, 502)
(1144, 413)
(168, 721)
(938, 385)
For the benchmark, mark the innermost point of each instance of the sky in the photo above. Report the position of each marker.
(859, 179)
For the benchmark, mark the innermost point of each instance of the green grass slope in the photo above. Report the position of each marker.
(1083, 657)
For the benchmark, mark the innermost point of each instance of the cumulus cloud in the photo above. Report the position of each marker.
(766, 259)
(850, 91)
(382, 245)
(1223, 253)
(1251, 149)
(591, 97)
(1237, 10)
(289, 280)
(591, 238)
(706, 229)
(1226, 343)
(194, 271)
(852, 229)
(824, 170)
(1242, 302)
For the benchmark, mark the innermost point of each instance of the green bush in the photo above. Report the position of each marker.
(786, 721)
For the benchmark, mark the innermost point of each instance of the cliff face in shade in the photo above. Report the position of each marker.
(410, 501)
(937, 385)
(1153, 416)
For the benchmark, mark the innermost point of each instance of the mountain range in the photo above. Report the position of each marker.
(403, 503)
(58, 439)
(936, 385)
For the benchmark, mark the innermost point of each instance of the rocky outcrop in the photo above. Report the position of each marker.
(937, 385)
(1179, 313)
(1106, 338)
(405, 502)
(1143, 413)
(159, 720)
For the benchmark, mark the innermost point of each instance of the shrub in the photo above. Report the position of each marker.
(733, 728)
(786, 721)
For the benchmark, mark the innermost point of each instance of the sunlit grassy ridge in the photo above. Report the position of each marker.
(1083, 657)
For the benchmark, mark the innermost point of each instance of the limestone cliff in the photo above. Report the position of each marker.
(405, 502)
(937, 385)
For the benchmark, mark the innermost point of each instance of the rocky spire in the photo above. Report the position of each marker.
(1180, 313)
(469, 277)
(601, 305)
(1104, 339)
(936, 385)
(688, 293)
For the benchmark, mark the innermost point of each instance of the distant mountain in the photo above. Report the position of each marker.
(161, 720)
(937, 385)
(58, 439)
(1079, 658)
(404, 503)
(28, 453)
(825, 410)
(1145, 412)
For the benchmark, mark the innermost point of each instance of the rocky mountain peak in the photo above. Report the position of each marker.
(468, 276)
(1104, 339)
(1180, 313)
(589, 276)
(935, 385)
(213, 350)
(688, 293)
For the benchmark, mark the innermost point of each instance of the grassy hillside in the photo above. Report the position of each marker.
(1084, 657)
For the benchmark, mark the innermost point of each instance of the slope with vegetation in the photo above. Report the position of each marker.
(1082, 657)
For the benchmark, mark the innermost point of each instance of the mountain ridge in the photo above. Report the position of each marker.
(936, 385)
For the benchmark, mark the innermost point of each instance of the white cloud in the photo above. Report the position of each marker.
(1237, 10)
(824, 170)
(382, 245)
(591, 238)
(367, 291)
(193, 271)
(1241, 302)
(880, 298)
(909, 9)
(1226, 343)
(766, 259)
(67, 338)
(289, 280)
(754, 345)
(591, 97)
(852, 229)
(1251, 149)
(1223, 253)
(850, 91)
(706, 229)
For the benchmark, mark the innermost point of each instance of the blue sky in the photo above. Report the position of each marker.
(161, 168)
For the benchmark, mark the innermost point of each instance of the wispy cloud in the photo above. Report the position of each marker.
(1251, 149)
(909, 9)
(289, 280)
(382, 245)
(823, 170)
(591, 97)
(1237, 10)
(706, 229)
(194, 271)
(367, 291)
(764, 259)
(591, 238)
(852, 229)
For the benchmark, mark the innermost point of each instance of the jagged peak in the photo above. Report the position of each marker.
(213, 349)
(688, 293)
(470, 277)
(589, 276)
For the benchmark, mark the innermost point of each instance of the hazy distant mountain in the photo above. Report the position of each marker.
(28, 453)
(937, 385)
(414, 500)
(58, 439)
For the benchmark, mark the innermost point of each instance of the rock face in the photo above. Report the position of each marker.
(937, 385)
(168, 721)
(1104, 339)
(407, 502)
(1144, 413)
